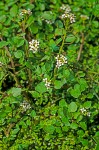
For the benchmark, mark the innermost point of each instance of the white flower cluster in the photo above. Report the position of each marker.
(65, 8)
(61, 60)
(33, 46)
(48, 21)
(47, 83)
(85, 112)
(67, 13)
(25, 105)
(25, 12)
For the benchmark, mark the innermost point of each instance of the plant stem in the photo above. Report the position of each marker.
(27, 54)
(81, 47)
(62, 45)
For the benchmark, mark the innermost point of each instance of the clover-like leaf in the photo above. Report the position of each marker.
(72, 107)
(16, 91)
(41, 88)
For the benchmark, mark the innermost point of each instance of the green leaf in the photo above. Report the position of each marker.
(65, 128)
(58, 84)
(28, 122)
(16, 91)
(34, 29)
(58, 41)
(72, 107)
(14, 10)
(24, 125)
(29, 65)
(58, 130)
(18, 41)
(1, 75)
(84, 142)
(3, 43)
(66, 73)
(60, 112)
(20, 147)
(33, 113)
(41, 88)
(18, 54)
(49, 129)
(47, 15)
(59, 24)
(83, 125)
(90, 95)
(87, 104)
(96, 10)
(2, 18)
(48, 65)
(76, 91)
(53, 110)
(74, 125)
(97, 146)
(35, 94)
(15, 131)
(65, 120)
(70, 38)
(41, 6)
(8, 109)
(96, 137)
(29, 21)
(62, 103)
(83, 84)
(58, 32)
(52, 44)
(95, 24)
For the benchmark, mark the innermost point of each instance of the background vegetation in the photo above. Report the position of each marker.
(49, 75)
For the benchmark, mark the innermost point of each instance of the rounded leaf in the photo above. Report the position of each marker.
(16, 91)
(72, 107)
(18, 54)
(41, 88)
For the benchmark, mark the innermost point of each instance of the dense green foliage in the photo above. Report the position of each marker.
(49, 91)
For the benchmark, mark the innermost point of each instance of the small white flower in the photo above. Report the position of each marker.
(63, 7)
(83, 110)
(48, 21)
(72, 18)
(66, 8)
(29, 12)
(88, 114)
(33, 46)
(25, 105)
(47, 83)
(67, 13)
(60, 60)
(45, 79)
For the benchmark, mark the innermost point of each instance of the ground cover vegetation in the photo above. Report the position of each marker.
(49, 75)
